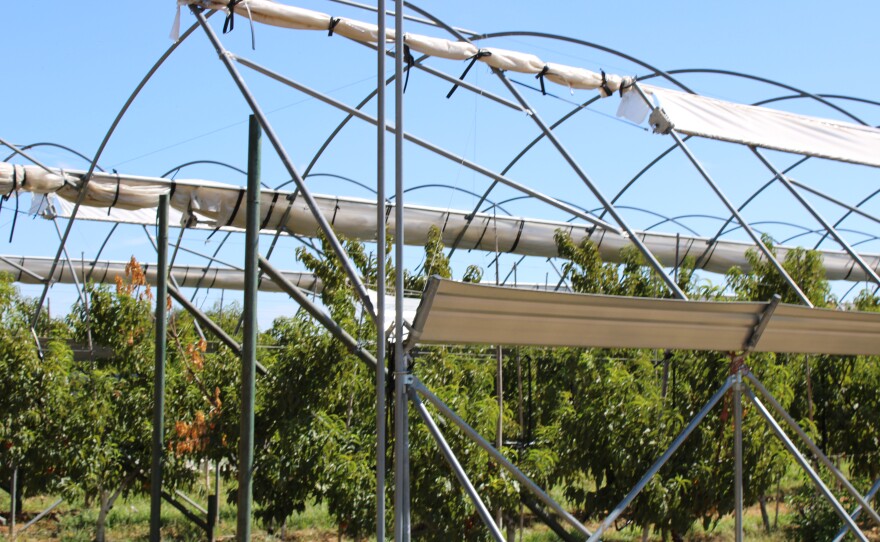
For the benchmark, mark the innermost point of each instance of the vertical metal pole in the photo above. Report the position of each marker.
(738, 456)
(380, 274)
(499, 423)
(249, 350)
(159, 373)
(401, 416)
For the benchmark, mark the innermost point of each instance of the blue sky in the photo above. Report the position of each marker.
(70, 67)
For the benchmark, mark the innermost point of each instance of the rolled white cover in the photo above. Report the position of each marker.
(105, 272)
(452, 50)
(507, 60)
(271, 13)
(769, 128)
(206, 204)
(275, 14)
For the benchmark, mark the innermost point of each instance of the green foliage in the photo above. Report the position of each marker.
(588, 423)
(32, 392)
(613, 417)
(762, 281)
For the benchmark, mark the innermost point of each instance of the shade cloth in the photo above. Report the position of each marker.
(461, 313)
(769, 128)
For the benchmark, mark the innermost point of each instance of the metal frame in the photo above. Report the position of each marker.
(406, 386)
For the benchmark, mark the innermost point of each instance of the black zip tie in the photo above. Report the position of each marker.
(7, 196)
(604, 86)
(171, 191)
(480, 240)
(410, 62)
(14, 217)
(540, 77)
(522, 225)
(480, 54)
(335, 210)
(229, 23)
(115, 196)
(624, 85)
(269, 214)
(241, 194)
(333, 22)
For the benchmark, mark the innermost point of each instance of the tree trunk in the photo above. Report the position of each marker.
(809, 390)
(107, 502)
(762, 500)
(778, 498)
(102, 517)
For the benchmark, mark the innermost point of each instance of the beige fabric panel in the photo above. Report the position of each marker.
(456, 313)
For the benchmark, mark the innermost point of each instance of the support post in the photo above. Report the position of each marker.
(40, 516)
(738, 455)
(249, 350)
(857, 512)
(805, 465)
(401, 370)
(159, 373)
(499, 457)
(620, 508)
(380, 273)
(456, 467)
(863, 502)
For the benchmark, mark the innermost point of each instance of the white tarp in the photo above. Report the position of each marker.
(460, 313)
(273, 13)
(769, 128)
(205, 204)
(105, 272)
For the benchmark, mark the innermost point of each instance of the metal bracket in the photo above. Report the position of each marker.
(660, 121)
(758, 330)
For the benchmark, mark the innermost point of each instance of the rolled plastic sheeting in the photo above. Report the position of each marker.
(204, 204)
(105, 272)
(275, 14)
(769, 128)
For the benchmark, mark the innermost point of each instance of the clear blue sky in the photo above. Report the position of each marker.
(71, 65)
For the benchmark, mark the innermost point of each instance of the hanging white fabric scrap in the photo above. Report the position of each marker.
(633, 107)
(175, 27)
